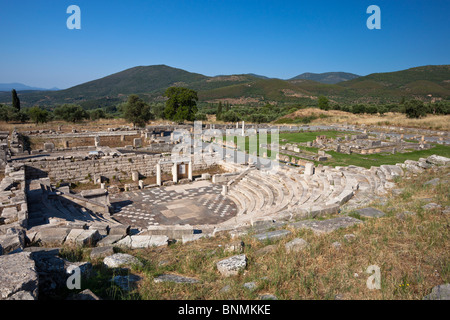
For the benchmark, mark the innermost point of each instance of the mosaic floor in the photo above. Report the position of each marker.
(197, 203)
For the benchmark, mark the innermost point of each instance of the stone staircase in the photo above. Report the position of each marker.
(288, 191)
(46, 207)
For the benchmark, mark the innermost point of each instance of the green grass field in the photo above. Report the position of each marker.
(340, 159)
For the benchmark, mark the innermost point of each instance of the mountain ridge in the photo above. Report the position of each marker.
(22, 87)
(326, 77)
(150, 82)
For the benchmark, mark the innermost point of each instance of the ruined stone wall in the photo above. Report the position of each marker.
(78, 169)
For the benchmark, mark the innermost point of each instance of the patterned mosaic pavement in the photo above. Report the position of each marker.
(196, 203)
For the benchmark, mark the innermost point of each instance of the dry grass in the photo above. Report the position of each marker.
(434, 122)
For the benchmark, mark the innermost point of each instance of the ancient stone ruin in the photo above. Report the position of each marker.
(150, 194)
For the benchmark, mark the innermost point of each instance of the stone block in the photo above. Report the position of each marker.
(18, 277)
(118, 260)
(137, 142)
(120, 229)
(326, 226)
(101, 252)
(440, 292)
(309, 169)
(272, 235)
(140, 241)
(175, 279)
(236, 246)
(296, 245)
(81, 237)
(109, 240)
(232, 266)
(438, 160)
(128, 282)
(52, 236)
(370, 212)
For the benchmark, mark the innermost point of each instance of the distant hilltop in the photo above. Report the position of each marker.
(22, 87)
(427, 83)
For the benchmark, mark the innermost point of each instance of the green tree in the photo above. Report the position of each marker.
(38, 115)
(323, 103)
(158, 110)
(371, 109)
(137, 111)
(181, 104)
(415, 109)
(358, 108)
(219, 111)
(231, 116)
(70, 113)
(6, 112)
(15, 100)
(97, 114)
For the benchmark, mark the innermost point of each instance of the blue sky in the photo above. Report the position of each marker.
(273, 38)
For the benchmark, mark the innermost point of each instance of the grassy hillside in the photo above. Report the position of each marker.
(327, 77)
(151, 81)
(417, 82)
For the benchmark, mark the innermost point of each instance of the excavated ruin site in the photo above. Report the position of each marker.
(136, 194)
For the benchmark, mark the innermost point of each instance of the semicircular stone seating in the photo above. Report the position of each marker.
(271, 194)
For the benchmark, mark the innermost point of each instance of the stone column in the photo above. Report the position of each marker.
(158, 174)
(175, 172)
(97, 141)
(190, 171)
(243, 129)
(224, 190)
(309, 169)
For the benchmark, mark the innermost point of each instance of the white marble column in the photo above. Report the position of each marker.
(175, 172)
(158, 174)
(190, 171)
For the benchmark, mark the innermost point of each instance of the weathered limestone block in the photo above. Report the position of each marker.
(175, 278)
(49, 146)
(232, 266)
(13, 240)
(370, 212)
(51, 236)
(296, 245)
(135, 176)
(120, 260)
(139, 241)
(128, 282)
(101, 252)
(81, 237)
(272, 235)
(309, 169)
(236, 246)
(326, 226)
(18, 277)
(137, 142)
(122, 230)
(391, 171)
(109, 240)
(441, 292)
(192, 237)
(439, 160)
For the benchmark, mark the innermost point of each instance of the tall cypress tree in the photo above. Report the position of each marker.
(15, 100)
(219, 111)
